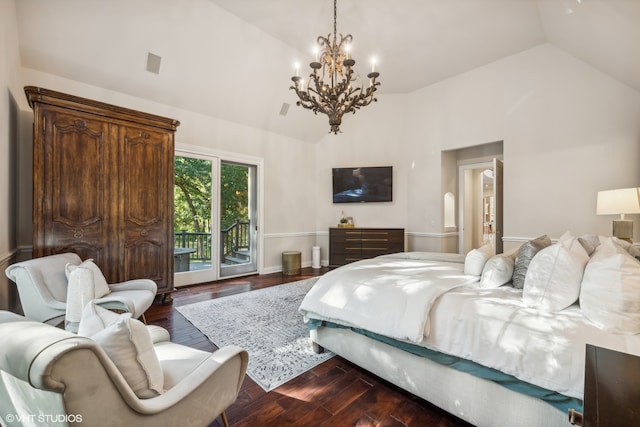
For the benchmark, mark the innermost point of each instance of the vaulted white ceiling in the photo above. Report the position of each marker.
(233, 59)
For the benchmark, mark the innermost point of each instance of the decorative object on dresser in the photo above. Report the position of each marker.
(103, 186)
(353, 244)
(346, 221)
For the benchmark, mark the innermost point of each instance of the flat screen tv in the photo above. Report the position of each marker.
(363, 184)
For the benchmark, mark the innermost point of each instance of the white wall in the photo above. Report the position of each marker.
(374, 136)
(568, 131)
(9, 130)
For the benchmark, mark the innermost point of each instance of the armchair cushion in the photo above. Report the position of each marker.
(99, 281)
(128, 344)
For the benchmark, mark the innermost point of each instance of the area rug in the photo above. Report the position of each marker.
(266, 323)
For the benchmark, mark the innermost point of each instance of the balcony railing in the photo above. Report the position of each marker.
(234, 243)
(201, 242)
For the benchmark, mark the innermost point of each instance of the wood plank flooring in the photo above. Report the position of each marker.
(335, 393)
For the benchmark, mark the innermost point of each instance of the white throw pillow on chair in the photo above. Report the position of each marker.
(99, 281)
(128, 344)
(80, 291)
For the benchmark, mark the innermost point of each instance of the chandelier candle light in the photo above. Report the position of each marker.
(330, 89)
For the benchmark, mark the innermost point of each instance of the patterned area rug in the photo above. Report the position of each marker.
(266, 323)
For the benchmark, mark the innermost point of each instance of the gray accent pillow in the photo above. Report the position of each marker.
(524, 257)
(589, 242)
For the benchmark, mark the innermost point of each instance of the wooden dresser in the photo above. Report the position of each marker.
(103, 186)
(352, 244)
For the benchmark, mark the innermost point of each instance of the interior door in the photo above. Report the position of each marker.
(498, 195)
(480, 207)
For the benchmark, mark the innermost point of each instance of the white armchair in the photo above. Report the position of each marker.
(42, 287)
(48, 373)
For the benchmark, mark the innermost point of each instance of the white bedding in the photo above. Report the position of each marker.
(494, 328)
(397, 296)
(387, 295)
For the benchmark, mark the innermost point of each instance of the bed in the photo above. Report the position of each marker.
(457, 331)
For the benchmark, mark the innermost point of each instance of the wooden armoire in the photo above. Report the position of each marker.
(103, 186)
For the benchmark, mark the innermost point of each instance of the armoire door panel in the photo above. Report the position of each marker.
(85, 250)
(77, 171)
(146, 223)
(145, 178)
(73, 193)
(144, 259)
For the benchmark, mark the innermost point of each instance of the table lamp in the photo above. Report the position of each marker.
(621, 201)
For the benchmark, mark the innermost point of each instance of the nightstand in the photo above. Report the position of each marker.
(611, 388)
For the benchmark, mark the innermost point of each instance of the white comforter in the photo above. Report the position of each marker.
(494, 328)
(397, 295)
(387, 295)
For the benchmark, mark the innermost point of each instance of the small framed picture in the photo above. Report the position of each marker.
(350, 220)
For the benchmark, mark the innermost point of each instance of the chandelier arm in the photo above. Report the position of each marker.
(363, 101)
(314, 104)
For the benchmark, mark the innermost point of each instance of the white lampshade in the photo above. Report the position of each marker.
(618, 202)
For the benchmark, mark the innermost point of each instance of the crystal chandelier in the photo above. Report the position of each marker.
(331, 87)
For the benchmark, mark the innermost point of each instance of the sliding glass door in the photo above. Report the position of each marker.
(238, 214)
(216, 218)
(194, 219)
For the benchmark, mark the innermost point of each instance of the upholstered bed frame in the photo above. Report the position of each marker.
(478, 401)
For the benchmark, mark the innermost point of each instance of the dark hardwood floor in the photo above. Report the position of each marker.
(335, 393)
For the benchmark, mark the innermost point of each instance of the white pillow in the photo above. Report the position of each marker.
(99, 281)
(95, 319)
(497, 271)
(552, 282)
(128, 344)
(476, 259)
(610, 293)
